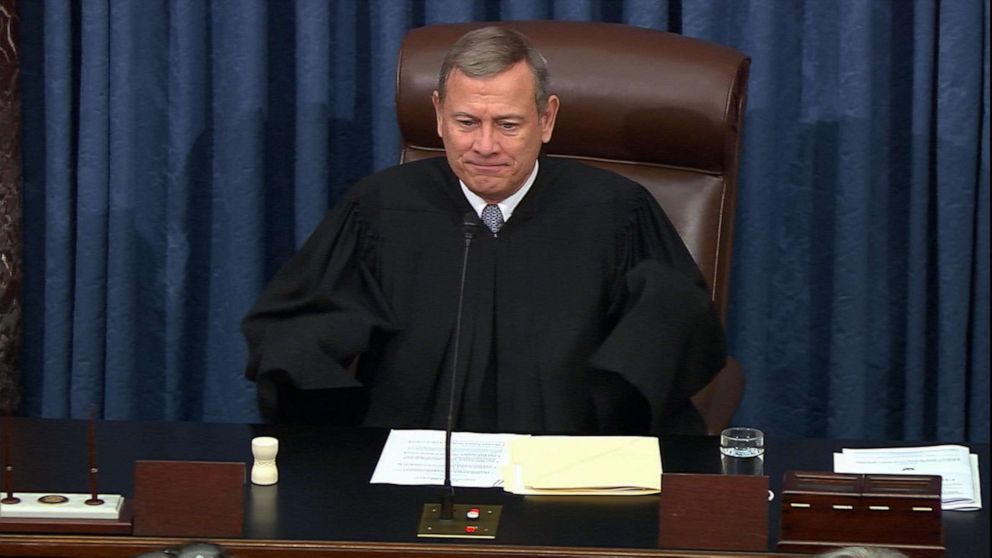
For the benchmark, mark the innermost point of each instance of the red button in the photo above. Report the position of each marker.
(472, 513)
(471, 528)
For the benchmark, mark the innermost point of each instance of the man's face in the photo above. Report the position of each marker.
(492, 131)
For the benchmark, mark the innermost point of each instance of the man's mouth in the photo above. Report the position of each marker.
(487, 168)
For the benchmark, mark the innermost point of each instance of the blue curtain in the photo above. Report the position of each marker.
(176, 152)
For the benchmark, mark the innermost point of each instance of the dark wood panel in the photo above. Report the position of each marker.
(128, 547)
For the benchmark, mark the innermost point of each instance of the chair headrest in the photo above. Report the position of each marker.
(627, 93)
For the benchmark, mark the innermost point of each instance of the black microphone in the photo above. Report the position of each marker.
(470, 223)
(474, 521)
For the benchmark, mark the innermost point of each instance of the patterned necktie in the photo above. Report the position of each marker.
(492, 217)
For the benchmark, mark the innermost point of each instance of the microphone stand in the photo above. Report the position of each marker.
(450, 520)
(469, 226)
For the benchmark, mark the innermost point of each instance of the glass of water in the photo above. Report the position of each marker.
(742, 451)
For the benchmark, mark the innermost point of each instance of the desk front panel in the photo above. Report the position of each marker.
(323, 499)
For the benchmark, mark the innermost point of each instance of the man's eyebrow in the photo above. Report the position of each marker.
(509, 116)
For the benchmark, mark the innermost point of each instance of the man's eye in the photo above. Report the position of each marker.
(509, 125)
(466, 123)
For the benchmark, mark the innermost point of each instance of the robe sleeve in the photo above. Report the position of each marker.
(666, 339)
(320, 309)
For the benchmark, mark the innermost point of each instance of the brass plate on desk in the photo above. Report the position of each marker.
(53, 499)
(431, 524)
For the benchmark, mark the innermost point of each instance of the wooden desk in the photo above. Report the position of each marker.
(324, 506)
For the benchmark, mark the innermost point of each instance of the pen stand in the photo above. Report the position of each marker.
(70, 514)
(827, 510)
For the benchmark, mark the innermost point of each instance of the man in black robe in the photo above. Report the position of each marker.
(583, 311)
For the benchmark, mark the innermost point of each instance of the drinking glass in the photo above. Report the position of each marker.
(742, 451)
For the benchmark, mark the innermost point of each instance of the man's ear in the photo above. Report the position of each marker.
(548, 118)
(438, 107)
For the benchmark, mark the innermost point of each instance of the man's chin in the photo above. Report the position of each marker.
(487, 187)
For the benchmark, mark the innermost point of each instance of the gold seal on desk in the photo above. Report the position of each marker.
(53, 499)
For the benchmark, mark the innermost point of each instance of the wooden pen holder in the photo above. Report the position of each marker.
(827, 510)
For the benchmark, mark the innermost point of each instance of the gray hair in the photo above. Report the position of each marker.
(489, 51)
(862, 552)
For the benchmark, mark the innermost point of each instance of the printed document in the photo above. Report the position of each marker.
(415, 457)
(957, 468)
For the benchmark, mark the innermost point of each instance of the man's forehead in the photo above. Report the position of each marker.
(518, 74)
(507, 95)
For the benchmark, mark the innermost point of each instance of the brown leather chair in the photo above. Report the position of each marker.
(662, 109)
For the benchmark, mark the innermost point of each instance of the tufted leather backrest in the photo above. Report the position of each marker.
(662, 109)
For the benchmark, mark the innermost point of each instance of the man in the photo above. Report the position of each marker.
(583, 310)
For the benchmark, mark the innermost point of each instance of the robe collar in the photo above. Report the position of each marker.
(528, 206)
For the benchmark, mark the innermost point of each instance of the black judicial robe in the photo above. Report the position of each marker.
(586, 307)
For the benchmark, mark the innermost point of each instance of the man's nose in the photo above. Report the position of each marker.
(486, 141)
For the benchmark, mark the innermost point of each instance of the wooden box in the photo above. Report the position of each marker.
(713, 512)
(827, 510)
(189, 499)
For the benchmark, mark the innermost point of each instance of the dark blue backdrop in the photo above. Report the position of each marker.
(177, 151)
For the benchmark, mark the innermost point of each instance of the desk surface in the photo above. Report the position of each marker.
(324, 504)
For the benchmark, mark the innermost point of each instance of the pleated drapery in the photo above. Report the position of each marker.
(176, 152)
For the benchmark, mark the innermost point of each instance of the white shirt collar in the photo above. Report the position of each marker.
(506, 206)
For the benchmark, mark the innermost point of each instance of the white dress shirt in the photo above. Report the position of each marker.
(506, 206)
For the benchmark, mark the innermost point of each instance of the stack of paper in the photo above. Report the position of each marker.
(960, 484)
(583, 465)
(417, 457)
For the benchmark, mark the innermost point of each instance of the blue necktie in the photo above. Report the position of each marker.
(492, 217)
